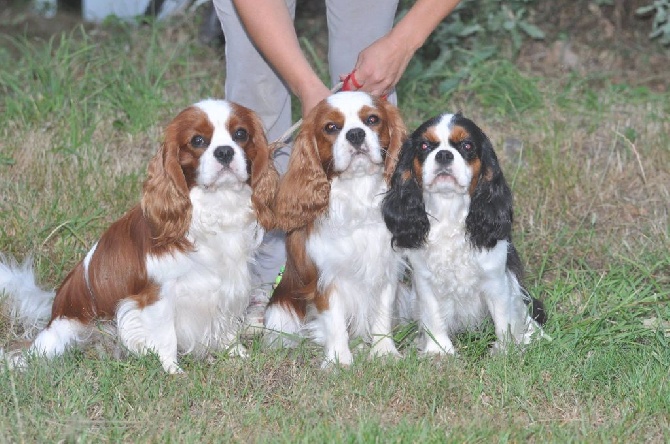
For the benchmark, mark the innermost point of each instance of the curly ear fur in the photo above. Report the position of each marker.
(304, 190)
(264, 177)
(490, 217)
(397, 134)
(165, 198)
(403, 206)
(298, 283)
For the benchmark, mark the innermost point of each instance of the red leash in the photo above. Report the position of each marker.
(351, 84)
(350, 78)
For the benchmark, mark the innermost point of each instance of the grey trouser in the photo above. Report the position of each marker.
(250, 81)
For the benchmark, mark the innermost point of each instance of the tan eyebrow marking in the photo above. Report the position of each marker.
(431, 136)
(458, 134)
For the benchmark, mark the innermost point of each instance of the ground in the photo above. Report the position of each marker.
(580, 36)
(588, 38)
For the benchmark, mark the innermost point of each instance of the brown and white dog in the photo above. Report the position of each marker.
(341, 273)
(450, 209)
(173, 272)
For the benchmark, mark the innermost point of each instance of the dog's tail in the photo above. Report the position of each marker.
(26, 303)
(537, 311)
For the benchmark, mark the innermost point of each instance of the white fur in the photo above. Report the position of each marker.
(33, 308)
(351, 248)
(203, 293)
(458, 286)
(283, 326)
(87, 263)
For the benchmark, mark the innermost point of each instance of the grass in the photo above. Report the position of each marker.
(589, 165)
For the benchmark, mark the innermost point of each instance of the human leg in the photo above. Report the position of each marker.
(353, 25)
(251, 82)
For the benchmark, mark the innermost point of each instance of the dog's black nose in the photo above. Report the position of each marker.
(224, 154)
(356, 136)
(444, 157)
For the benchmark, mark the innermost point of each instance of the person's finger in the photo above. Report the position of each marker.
(354, 81)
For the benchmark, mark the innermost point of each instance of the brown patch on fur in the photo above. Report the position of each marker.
(418, 171)
(147, 296)
(263, 177)
(392, 133)
(475, 166)
(322, 300)
(458, 134)
(73, 299)
(431, 135)
(298, 283)
(190, 122)
(170, 176)
(304, 190)
(116, 271)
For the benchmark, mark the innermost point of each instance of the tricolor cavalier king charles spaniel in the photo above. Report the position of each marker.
(173, 272)
(450, 210)
(341, 273)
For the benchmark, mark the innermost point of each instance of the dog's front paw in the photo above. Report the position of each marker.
(384, 347)
(238, 350)
(172, 368)
(343, 358)
(438, 346)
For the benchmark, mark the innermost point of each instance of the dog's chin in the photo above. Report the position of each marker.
(361, 165)
(447, 183)
(225, 178)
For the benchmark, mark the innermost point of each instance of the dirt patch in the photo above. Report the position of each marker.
(609, 41)
(17, 18)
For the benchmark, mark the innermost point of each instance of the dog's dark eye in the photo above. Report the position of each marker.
(198, 141)
(425, 146)
(240, 135)
(372, 120)
(467, 145)
(331, 128)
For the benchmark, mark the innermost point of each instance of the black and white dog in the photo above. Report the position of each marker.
(450, 208)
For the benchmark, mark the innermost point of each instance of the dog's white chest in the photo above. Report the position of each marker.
(209, 286)
(448, 262)
(351, 241)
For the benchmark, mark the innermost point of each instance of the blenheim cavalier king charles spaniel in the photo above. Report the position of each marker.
(450, 209)
(341, 273)
(173, 272)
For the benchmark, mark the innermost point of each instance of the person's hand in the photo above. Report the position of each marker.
(381, 65)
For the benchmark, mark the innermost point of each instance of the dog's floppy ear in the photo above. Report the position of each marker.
(393, 137)
(165, 196)
(403, 207)
(490, 217)
(264, 177)
(304, 190)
